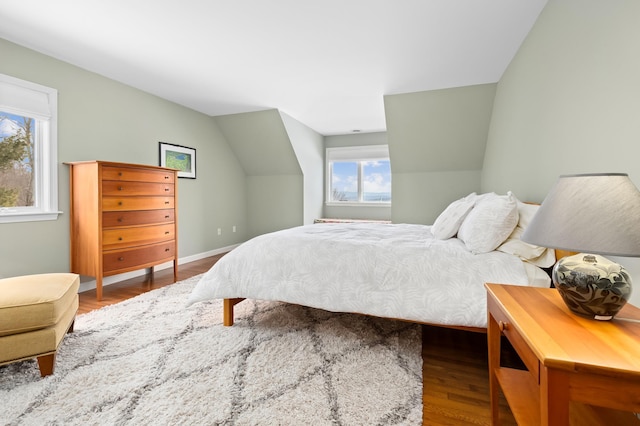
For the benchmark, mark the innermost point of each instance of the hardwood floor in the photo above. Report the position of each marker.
(455, 372)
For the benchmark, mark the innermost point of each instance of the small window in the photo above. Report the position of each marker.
(28, 148)
(359, 175)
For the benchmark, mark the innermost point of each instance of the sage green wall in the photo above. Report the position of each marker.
(437, 141)
(356, 212)
(309, 149)
(99, 118)
(275, 184)
(569, 102)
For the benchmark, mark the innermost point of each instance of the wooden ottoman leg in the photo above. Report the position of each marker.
(46, 363)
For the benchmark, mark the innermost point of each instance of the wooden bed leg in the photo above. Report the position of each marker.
(227, 313)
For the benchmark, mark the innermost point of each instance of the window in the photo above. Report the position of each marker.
(359, 175)
(28, 151)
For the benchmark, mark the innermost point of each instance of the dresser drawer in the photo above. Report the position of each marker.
(137, 203)
(138, 217)
(126, 188)
(115, 261)
(526, 354)
(134, 174)
(137, 235)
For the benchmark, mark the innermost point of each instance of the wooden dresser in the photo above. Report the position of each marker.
(123, 218)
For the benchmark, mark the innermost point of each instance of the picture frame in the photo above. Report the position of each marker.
(178, 157)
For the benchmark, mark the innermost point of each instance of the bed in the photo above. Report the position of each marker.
(430, 274)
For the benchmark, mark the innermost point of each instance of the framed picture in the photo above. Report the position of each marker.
(179, 157)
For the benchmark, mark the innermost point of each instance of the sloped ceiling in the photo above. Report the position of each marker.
(260, 142)
(326, 63)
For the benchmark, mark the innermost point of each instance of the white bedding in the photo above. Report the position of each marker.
(387, 270)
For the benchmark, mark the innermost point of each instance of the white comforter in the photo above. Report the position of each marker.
(396, 271)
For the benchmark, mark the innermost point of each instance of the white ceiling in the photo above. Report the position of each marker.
(326, 63)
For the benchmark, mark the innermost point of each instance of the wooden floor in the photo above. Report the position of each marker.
(455, 372)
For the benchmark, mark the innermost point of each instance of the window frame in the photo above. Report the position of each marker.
(359, 155)
(27, 99)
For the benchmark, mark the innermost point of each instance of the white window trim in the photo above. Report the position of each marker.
(41, 103)
(353, 153)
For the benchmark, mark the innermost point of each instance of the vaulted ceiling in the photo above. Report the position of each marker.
(326, 63)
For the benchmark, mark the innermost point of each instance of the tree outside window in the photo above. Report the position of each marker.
(28, 151)
(17, 160)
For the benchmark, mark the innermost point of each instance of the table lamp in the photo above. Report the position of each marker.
(594, 214)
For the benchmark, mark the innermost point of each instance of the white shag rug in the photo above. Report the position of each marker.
(152, 360)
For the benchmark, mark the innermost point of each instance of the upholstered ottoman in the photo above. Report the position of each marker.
(36, 311)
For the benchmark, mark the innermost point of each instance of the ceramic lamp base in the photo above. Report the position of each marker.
(591, 285)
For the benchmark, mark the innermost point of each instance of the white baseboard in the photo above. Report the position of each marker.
(90, 285)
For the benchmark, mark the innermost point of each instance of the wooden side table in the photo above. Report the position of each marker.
(572, 361)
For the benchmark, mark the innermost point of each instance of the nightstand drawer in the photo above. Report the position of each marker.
(138, 217)
(527, 356)
(137, 203)
(127, 237)
(118, 189)
(135, 174)
(120, 260)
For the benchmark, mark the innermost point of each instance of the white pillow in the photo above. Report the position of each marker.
(489, 223)
(536, 255)
(449, 221)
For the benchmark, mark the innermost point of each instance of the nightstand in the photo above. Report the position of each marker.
(580, 371)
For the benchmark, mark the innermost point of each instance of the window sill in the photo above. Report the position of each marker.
(15, 217)
(355, 204)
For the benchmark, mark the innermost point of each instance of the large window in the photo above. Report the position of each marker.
(358, 175)
(28, 151)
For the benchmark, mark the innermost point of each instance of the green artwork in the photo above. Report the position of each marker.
(178, 160)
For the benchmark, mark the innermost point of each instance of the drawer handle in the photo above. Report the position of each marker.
(166, 202)
(166, 177)
(120, 219)
(503, 326)
(167, 249)
(167, 217)
(119, 173)
(119, 238)
(119, 203)
(120, 259)
(166, 232)
(166, 190)
(120, 188)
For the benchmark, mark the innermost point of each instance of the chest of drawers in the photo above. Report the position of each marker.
(123, 218)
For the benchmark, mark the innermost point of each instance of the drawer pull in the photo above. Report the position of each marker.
(166, 232)
(166, 202)
(119, 173)
(119, 238)
(166, 177)
(119, 203)
(167, 249)
(503, 326)
(120, 219)
(167, 217)
(120, 259)
(166, 190)
(120, 188)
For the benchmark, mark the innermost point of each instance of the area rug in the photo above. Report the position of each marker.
(152, 360)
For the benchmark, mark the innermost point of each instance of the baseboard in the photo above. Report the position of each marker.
(91, 284)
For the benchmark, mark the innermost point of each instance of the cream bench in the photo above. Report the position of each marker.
(36, 311)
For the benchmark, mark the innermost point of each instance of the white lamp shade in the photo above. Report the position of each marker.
(589, 213)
